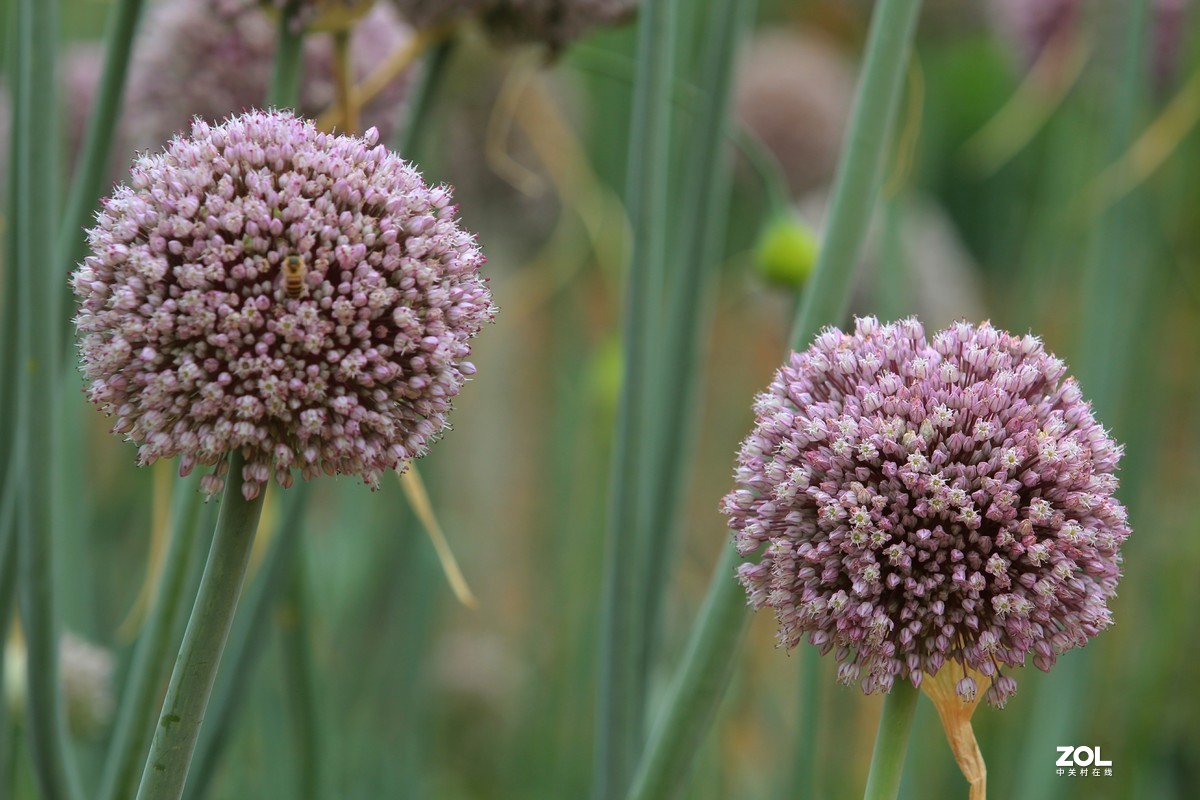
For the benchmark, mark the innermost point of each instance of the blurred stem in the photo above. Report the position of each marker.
(195, 669)
(88, 182)
(622, 669)
(154, 652)
(246, 640)
(299, 686)
(289, 58)
(40, 305)
(1109, 289)
(343, 76)
(804, 773)
(420, 104)
(712, 649)
(708, 665)
(697, 248)
(860, 170)
(891, 742)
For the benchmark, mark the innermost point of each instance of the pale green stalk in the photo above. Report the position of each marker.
(697, 248)
(195, 670)
(289, 57)
(1104, 364)
(250, 633)
(154, 652)
(421, 97)
(299, 683)
(89, 179)
(712, 650)
(622, 669)
(891, 741)
(40, 354)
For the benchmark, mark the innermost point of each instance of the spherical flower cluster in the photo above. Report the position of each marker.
(85, 678)
(554, 22)
(301, 297)
(927, 505)
(213, 58)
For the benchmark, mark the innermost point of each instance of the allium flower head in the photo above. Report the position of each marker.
(213, 58)
(262, 286)
(554, 22)
(926, 505)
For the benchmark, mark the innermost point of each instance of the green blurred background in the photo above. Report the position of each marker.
(1005, 173)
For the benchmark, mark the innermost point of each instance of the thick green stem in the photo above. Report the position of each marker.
(246, 641)
(860, 171)
(622, 678)
(712, 649)
(420, 104)
(289, 59)
(697, 249)
(698, 688)
(299, 682)
(891, 742)
(203, 642)
(89, 179)
(153, 655)
(39, 334)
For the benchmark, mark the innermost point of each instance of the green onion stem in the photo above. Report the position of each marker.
(195, 669)
(891, 741)
(88, 182)
(712, 649)
(622, 668)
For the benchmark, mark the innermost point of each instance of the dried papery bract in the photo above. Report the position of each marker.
(955, 712)
(323, 15)
(192, 339)
(927, 505)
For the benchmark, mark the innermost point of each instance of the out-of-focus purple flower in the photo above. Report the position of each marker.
(213, 58)
(203, 335)
(794, 93)
(554, 22)
(1030, 25)
(927, 505)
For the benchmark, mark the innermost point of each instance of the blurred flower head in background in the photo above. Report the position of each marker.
(553, 22)
(86, 676)
(299, 296)
(1030, 25)
(922, 505)
(794, 93)
(213, 58)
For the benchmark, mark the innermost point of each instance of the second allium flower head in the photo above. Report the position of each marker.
(198, 335)
(927, 505)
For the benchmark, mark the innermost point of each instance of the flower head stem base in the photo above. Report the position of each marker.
(200, 652)
(955, 711)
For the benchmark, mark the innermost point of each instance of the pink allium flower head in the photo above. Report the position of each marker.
(926, 505)
(213, 58)
(554, 22)
(199, 339)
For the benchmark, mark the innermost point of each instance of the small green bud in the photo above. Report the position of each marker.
(786, 252)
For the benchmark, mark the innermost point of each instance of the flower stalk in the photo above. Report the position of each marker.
(289, 57)
(88, 182)
(195, 670)
(154, 652)
(623, 667)
(712, 650)
(891, 742)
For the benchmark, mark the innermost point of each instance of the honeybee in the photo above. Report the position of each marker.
(293, 273)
